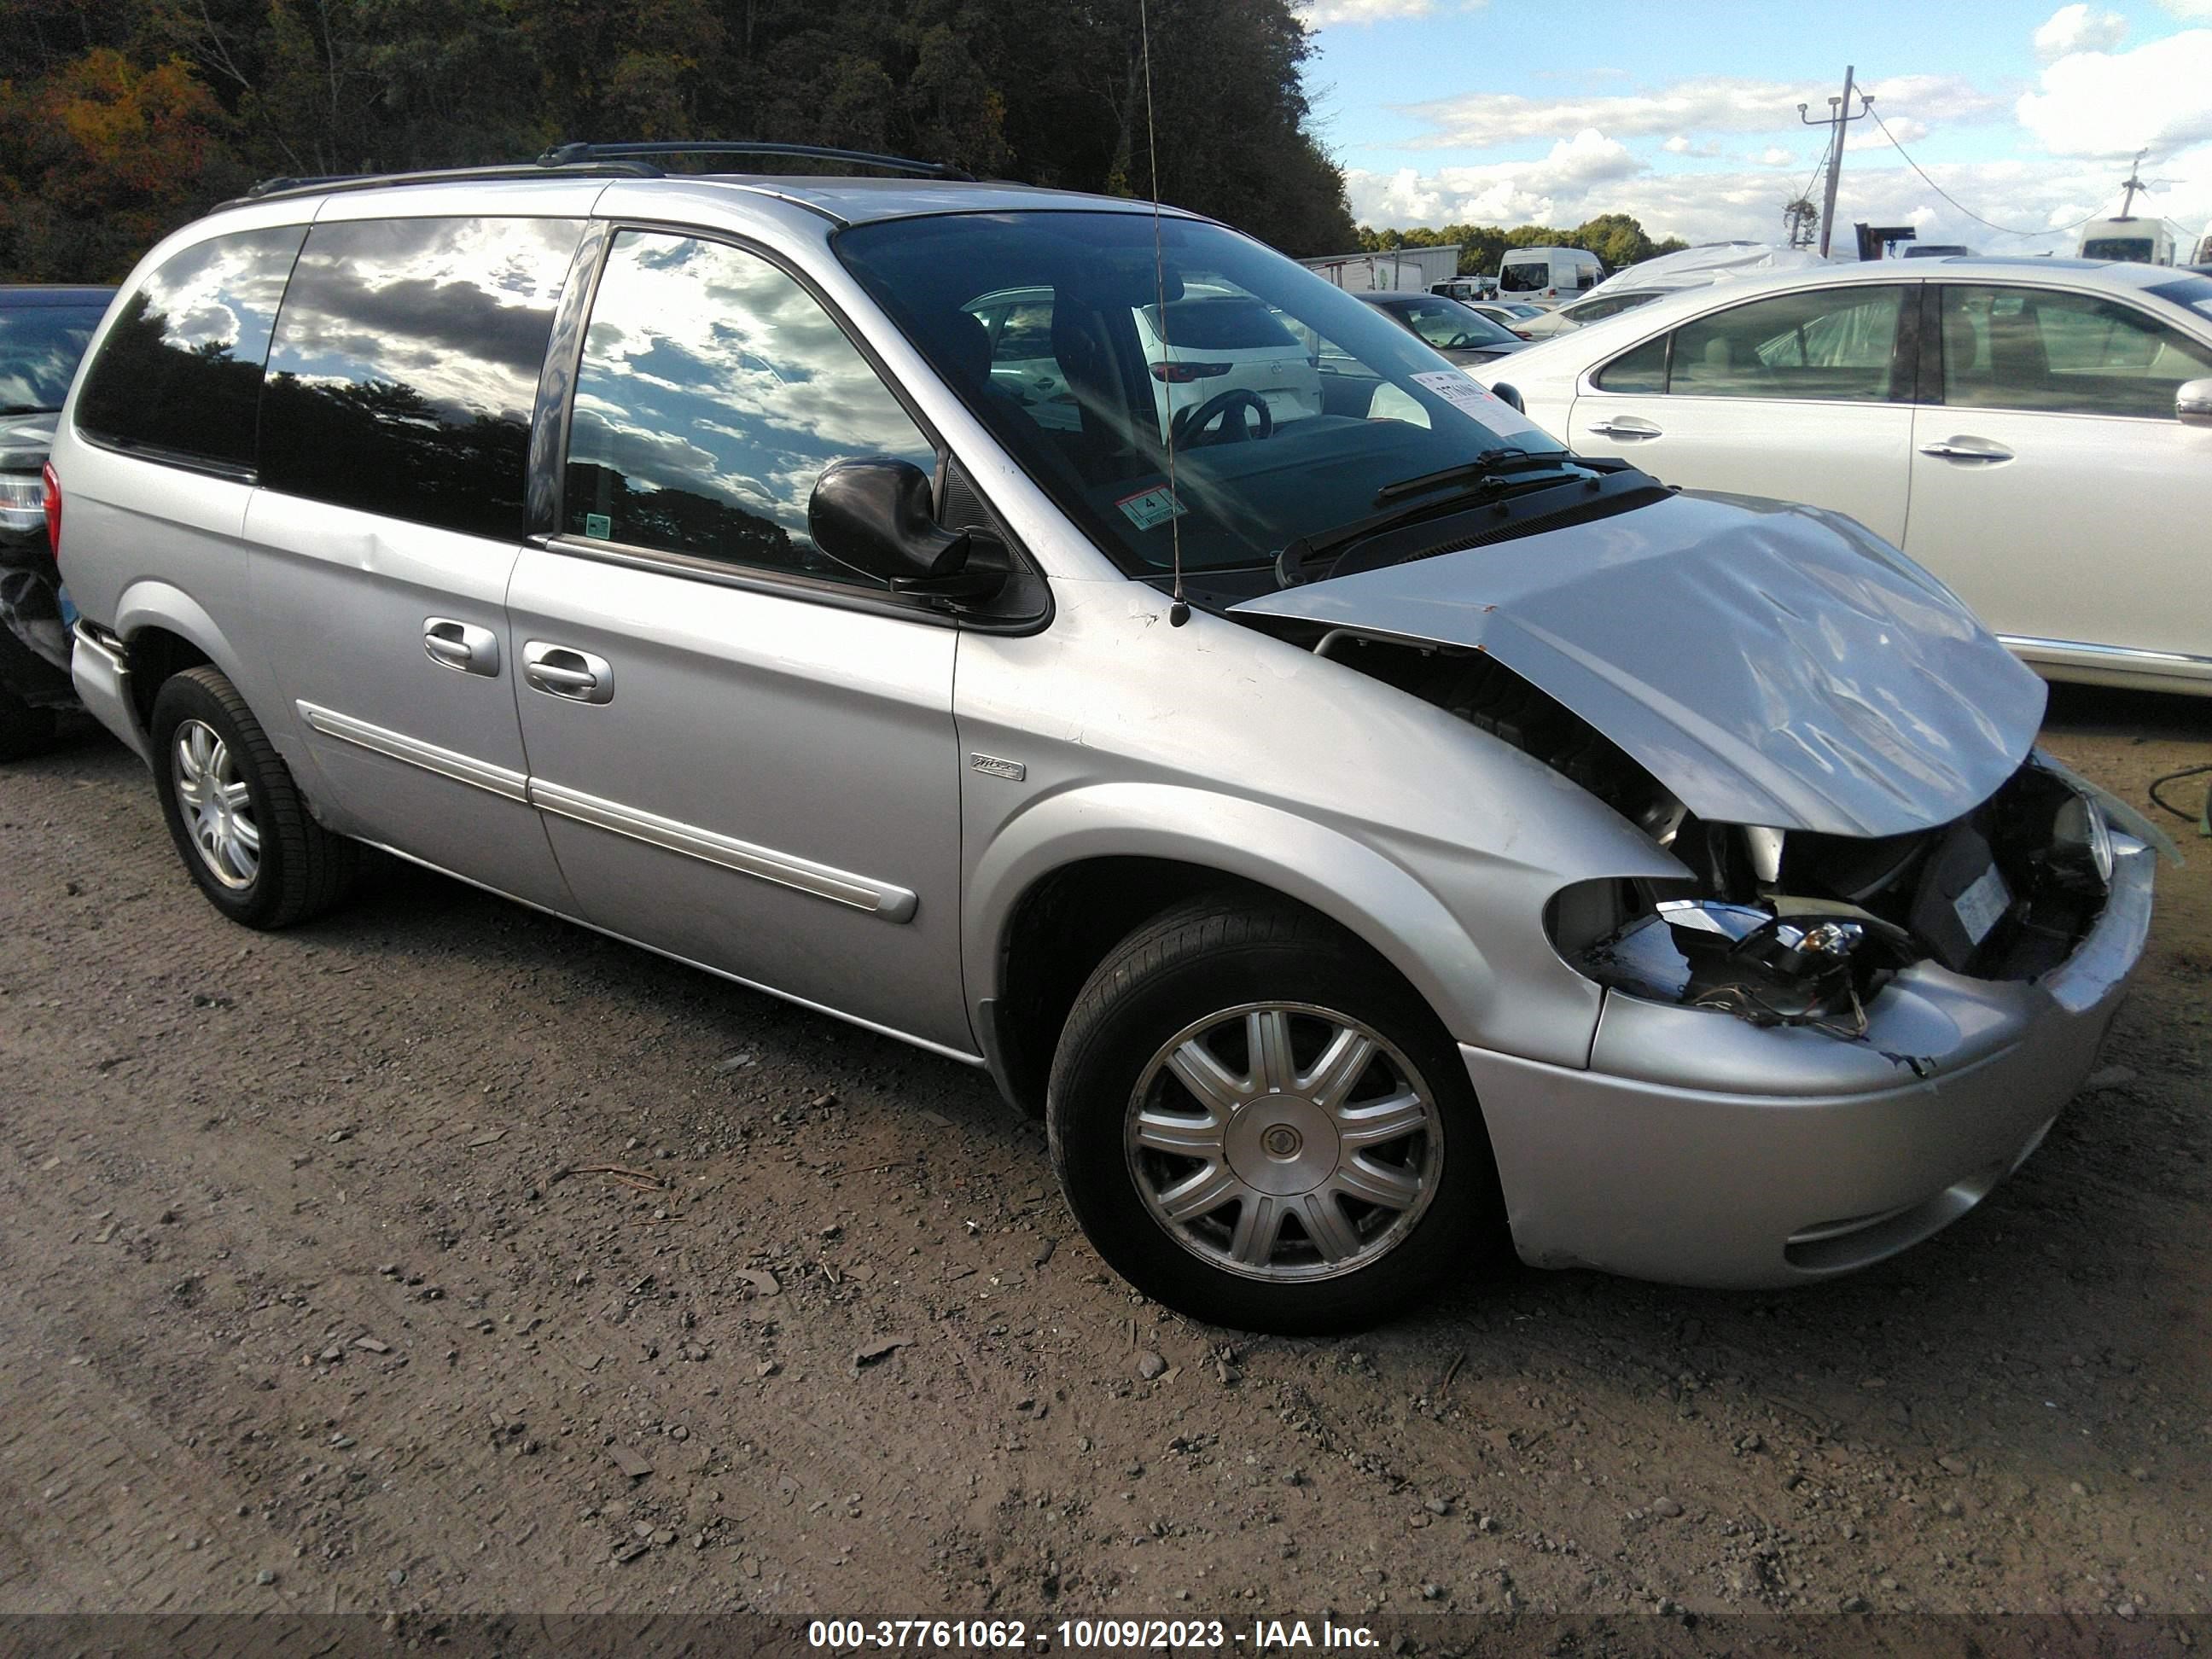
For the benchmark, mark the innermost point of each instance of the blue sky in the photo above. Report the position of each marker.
(1685, 114)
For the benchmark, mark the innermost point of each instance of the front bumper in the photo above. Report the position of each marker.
(1700, 1150)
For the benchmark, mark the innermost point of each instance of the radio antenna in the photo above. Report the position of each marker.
(1178, 611)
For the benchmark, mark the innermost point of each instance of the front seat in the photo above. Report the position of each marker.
(1086, 363)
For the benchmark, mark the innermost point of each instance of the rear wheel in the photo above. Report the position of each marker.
(1258, 1124)
(238, 822)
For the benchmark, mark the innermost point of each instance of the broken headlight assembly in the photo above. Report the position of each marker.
(1800, 929)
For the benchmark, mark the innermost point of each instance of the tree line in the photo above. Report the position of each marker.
(121, 119)
(1618, 240)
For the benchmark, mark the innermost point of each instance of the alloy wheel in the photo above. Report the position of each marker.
(218, 810)
(1284, 1141)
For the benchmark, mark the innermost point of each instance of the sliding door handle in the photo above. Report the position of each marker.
(460, 646)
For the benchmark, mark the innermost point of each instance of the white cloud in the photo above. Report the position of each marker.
(2193, 11)
(2077, 28)
(1500, 192)
(2154, 97)
(1325, 14)
(1707, 207)
(1865, 135)
(1706, 104)
(1775, 156)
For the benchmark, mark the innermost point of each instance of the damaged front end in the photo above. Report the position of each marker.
(1788, 927)
(1782, 928)
(1837, 754)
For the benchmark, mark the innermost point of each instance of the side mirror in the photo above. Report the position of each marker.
(2192, 403)
(873, 515)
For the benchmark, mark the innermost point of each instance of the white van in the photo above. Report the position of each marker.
(2138, 240)
(1547, 276)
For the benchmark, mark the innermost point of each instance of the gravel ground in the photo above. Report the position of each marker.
(319, 1289)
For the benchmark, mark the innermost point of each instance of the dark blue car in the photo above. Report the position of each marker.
(43, 333)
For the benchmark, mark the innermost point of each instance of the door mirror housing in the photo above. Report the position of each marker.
(2192, 403)
(874, 515)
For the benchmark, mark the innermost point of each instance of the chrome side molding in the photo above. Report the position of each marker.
(2123, 656)
(878, 898)
(446, 763)
(839, 886)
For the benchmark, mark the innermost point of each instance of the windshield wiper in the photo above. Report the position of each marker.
(1491, 464)
(1485, 475)
(29, 409)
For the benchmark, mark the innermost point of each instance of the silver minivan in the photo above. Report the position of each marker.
(1377, 842)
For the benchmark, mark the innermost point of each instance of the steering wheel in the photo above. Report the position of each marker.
(1190, 426)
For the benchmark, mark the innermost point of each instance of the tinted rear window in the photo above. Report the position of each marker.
(405, 366)
(179, 374)
(1226, 323)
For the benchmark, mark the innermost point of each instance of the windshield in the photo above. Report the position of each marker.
(1525, 276)
(2135, 249)
(1291, 403)
(40, 346)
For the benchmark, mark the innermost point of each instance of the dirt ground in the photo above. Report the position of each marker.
(298, 1311)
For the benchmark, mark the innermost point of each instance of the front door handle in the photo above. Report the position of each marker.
(1966, 449)
(562, 671)
(462, 647)
(1625, 426)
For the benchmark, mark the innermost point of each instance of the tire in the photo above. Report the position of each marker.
(202, 733)
(24, 730)
(1235, 976)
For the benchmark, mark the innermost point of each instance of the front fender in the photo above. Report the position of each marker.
(1353, 885)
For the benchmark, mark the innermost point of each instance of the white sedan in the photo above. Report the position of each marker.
(2037, 433)
(1594, 309)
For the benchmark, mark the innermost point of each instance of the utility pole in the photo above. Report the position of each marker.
(2132, 183)
(1840, 116)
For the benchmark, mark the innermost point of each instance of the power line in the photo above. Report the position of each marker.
(2004, 230)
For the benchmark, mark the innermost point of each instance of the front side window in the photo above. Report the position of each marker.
(180, 374)
(1836, 344)
(406, 367)
(1289, 403)
(2020, 348)
(1643, 370)
(714, 392)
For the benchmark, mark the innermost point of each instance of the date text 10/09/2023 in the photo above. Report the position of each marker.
(1085, 1635)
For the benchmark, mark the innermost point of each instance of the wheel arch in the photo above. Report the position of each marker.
(165, 631)
(1067, 880)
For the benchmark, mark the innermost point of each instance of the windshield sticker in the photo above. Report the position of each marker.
(1464, 392)
(599, 525)
(1151, 506)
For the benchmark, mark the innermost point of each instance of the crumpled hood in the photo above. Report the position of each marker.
(1770, 665)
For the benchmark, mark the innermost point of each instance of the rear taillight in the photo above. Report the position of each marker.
(53, 510)
(1183, 374)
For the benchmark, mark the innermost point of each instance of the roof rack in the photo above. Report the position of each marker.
(602, 161)
(570, 155)
(287, 185)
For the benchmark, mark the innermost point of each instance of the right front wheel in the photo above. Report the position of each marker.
(1257, 1124)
